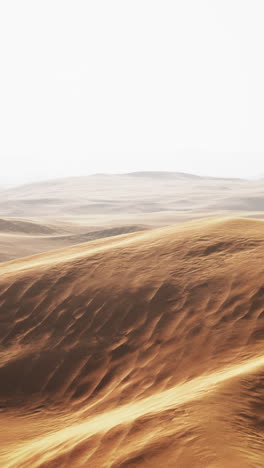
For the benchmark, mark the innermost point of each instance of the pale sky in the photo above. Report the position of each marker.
(91, 86)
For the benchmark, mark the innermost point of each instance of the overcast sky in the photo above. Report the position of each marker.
(116, 86)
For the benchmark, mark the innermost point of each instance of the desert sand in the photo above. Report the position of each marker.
(21, 237)
(130, 194)
(140, 350)
(55, 214)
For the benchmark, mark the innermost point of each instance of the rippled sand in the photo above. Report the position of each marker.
(143, 350)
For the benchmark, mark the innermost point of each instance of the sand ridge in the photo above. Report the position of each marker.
(180, 395)
(125, 351)
(146, 192)
(132, 193)
(20, 238)
(57, 213)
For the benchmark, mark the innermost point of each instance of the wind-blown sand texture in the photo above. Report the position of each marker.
(143, 350)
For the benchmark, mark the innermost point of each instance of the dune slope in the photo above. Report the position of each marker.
(21, 238)
(130, 194)
(143, 350)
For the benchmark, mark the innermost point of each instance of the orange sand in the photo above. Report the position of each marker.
(143, 350)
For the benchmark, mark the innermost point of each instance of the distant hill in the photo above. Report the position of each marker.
(137, 192)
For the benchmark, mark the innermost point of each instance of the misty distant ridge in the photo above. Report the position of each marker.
(56, 213)
(148, 174)
(131, 193)
(175, 175)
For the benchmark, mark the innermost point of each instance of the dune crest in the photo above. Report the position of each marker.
(132, 350)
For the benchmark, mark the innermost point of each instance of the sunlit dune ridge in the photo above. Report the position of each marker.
(55, 214)
(143, 350)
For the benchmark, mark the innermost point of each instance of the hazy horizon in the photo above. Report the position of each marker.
(131, 233)
(244, 166)
(121, 87)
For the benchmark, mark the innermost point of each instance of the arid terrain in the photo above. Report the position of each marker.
(132, 234)
(138, 350)
(54, 214)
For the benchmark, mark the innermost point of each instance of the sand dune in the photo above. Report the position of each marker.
(130, 194)
(21, 238)
(142, 350)
(23, 226)
(54, 214)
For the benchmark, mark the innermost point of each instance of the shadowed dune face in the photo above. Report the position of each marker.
(136, 349)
